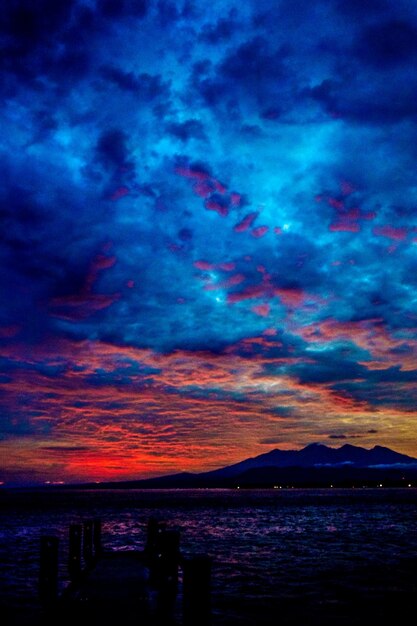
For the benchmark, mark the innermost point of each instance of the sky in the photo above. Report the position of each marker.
(208, 232)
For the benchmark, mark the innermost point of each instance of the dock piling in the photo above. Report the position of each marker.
(48, 573)
(88, 542)
(170, 554)
(97, 538)
(162, 552)
(74, 554)
(151, 538)
(196, 590)
(145, 582)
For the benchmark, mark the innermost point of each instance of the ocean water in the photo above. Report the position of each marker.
(279, 556)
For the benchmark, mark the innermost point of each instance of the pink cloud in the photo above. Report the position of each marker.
(227, 267)
(398, 234)
(246, 223)
(219, 186)
(347, 219)
(291, 297)
(215, 205)
(336, 204)
(235, 198)
(260, 231)
(192, 172)
(119, 193)
(230, 282)
(253, 291)
(85, 303)
(270, 332)
(203, 188)
(204, 265)
(262, 309)
(236, 280)
(344, 226)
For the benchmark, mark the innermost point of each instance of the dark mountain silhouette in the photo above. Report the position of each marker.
(315, 465)
(316, 455)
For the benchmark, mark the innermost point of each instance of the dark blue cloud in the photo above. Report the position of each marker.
(388, 44)
(362, 10)
(220, 31)
(114, 9)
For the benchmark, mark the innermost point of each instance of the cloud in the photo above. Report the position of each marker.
(361, 10)
(388, 43)
(65, 449)
(222, 30)
(207, 229)
(270, 440)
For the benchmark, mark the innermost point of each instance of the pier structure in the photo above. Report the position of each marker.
(156, 586)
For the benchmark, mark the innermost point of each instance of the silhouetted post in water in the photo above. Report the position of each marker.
(153, 548)
(74, 556)
(169, 545)
(152, 536)
(162, 553)
(154, 530)
(167, 574)
(48, 574)
(196, 590)
(97, 538)
(88, 542)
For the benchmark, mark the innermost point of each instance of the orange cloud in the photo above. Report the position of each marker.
(117, 412)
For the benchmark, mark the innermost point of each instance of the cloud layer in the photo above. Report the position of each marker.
(208, 232)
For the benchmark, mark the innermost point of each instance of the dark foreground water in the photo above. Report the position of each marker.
(280, 556)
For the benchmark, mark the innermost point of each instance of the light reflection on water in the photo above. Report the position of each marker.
(267, 546)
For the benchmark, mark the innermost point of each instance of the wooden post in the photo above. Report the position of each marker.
(196, 591)
(162, 553)
(164, 575)
(88, 542)
(97, 538)
(153, 544)
(151, 534)
(48, 573)
(74, 555)
(170, 555)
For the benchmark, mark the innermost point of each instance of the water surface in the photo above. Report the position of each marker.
(310, 556)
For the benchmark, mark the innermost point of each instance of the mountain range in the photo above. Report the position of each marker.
(316, 465)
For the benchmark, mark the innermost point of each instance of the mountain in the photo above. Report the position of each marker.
(315, 465)
(316, 455)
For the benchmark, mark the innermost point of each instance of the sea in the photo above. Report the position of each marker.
(280, 556)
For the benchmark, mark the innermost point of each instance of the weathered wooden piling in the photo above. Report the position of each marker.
(88, 542)
(165, 575)
(169, 555)
(197, 590)
(155, 551)
(74, 552)
(48, 571)
(137, 584)
(97, 538)
(151, 536)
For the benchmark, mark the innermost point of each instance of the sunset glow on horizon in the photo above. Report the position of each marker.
(209, 233)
